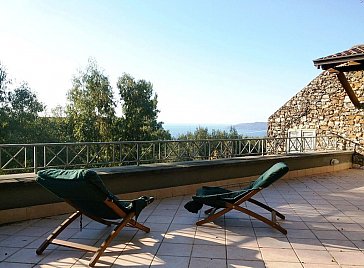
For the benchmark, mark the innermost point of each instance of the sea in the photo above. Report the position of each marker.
(179, 129)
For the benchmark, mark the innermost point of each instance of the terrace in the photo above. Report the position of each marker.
(321, 199)
(325, 223)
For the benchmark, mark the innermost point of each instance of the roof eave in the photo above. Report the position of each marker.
(331, 62)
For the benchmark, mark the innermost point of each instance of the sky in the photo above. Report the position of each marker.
(210, 62)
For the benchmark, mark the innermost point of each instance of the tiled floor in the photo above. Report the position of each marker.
(324, 219)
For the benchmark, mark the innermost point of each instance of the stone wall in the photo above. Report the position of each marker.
(324, 106)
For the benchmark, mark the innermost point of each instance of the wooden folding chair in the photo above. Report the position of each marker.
(222, 200)
(85, 191)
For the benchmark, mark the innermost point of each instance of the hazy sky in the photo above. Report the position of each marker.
(209, 61)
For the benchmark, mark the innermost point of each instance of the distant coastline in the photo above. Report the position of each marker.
(256, 129)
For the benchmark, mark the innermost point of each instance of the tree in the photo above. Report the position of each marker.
(139, 106)
(55, 126)
(91, 108)
(3, 84)
(4, 102)
(19, 109)
(24, 112)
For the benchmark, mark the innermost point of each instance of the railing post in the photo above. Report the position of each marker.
(153, 153)
(35, 159)
(44, 156)
(87, 155)
(159, 151)
(137, 152)
(67, 156)
(25, 157)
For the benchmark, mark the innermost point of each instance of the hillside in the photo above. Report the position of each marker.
(252, 129)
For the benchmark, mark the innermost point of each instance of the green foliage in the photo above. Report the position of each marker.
(3, 85)
(24, 104)
(204, 134)
(91, 108)
(139, 106)
(4, 102)
(19, 109)
(24, 123)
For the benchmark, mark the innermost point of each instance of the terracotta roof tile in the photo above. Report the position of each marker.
(356, 53)
(355, 50)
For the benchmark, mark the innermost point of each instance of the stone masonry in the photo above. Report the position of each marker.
(324, 106)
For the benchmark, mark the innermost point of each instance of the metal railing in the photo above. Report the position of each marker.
(32, 157)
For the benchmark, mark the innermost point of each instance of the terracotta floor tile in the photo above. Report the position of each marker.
(310, 243)
(134, 260)
(209, 251)
(240, 253)
(273, 242)
(27, 255)
(158, 219)
(17, 241)
(16, 265)
(315, 265)
(329, 234)
(338, 245)
(354, 235)
(272, 264)
(6, 252)
(300, 234)
(60, 258)
(207, 263)
(245, 264)
(349, 257)
(173, 249)
(278, 255)
(314, 256)
(241, 241)
(170, 261)
(268, 231)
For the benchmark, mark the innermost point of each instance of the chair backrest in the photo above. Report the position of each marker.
(81, 188)
(271, 175)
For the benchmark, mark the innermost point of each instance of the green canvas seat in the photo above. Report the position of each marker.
(85, 191)
(226, 200)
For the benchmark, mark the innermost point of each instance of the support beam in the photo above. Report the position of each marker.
(350, 68)
(344, 82)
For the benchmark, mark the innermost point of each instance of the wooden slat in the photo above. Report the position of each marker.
(57, 231)
(74, 245)
(108, 240)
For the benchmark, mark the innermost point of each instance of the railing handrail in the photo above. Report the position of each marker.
(16, 157)
(347, 139)
(131, 142)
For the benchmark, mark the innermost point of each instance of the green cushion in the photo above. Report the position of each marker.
(86, 192)
(271, 175)
(217, 196)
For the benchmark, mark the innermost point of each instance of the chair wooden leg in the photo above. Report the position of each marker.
(140, 226)
(57, 231)
(261, 218)
(111, 236)
(270, 209)
(212, 217)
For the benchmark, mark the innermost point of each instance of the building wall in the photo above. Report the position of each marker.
(324, 106)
